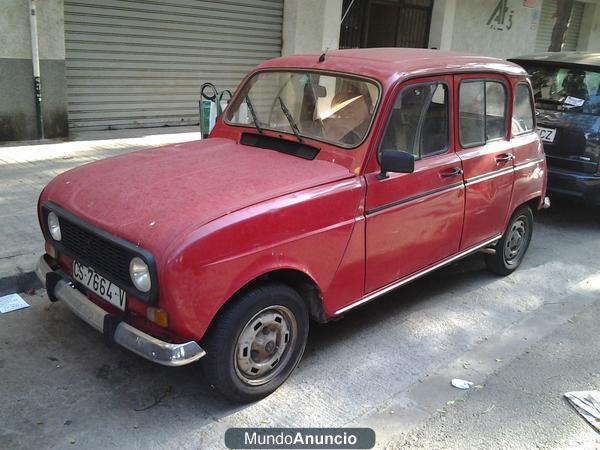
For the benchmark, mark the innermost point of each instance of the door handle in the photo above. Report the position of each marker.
(451, 172)
(504, 157)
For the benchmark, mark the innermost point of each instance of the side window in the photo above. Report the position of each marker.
(495, 110)
(418, 123)
(482, 112)
(522, 120)
(471, 113)
(434, 131)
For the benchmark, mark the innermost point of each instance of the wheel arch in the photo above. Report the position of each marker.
(535, 202)
(298, 280)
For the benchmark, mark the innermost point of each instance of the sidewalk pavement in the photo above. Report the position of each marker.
(25, 168)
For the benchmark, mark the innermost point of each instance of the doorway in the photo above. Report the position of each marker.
(386, 23)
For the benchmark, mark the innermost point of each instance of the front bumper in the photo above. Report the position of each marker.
(585, 187)
(161, 352)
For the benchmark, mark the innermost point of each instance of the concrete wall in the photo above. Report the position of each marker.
(17, 108)
(589, 34)
(442, 24)
(479, 27)
(475, 26)
(311, 25)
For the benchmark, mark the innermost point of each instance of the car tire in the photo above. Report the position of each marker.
(255, 342)
(512, 246)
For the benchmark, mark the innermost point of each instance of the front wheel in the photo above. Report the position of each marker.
(512, 246)
(256, 342)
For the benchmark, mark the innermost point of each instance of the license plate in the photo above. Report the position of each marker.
(99, 285)
(546, 134)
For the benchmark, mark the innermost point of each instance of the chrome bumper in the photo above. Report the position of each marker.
(117, 331)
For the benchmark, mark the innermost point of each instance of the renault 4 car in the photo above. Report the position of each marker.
(330, 180)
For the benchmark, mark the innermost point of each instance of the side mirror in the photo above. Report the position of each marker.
(395, 161)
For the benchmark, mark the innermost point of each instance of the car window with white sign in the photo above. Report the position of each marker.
(565, 88)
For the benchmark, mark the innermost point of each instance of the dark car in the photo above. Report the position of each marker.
(566, 88)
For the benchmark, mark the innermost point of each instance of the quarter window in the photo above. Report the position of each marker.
(482, 112)
(418, 122)
(522, 120)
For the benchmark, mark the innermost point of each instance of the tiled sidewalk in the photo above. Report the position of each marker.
(26, 169)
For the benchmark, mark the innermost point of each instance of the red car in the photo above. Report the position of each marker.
(328, 181)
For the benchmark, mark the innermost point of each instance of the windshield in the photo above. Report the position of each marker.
(333, 108)
(565, 88)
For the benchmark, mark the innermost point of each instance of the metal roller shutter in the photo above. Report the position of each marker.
(546, 24)
(140, 63)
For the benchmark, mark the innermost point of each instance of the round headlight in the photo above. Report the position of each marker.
(140, 274)
(54, 226)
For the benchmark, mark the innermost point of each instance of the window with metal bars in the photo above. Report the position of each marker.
(385, 23)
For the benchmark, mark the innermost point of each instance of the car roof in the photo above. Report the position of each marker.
(573, 58)
(386, 63)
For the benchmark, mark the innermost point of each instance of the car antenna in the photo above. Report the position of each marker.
(322, 57)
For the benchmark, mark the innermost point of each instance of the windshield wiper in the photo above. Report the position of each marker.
(253, 114)
(290, 119)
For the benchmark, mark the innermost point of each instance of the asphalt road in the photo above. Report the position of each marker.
(522, 405)
(387, 365)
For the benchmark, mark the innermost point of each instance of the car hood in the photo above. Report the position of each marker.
(152, 196)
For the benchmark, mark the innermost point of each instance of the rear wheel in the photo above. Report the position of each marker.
(511, 248)
(256, 342)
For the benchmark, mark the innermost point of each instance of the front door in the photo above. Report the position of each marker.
(486, 154)
(415, 219)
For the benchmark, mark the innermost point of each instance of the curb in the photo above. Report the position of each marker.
(19, 283)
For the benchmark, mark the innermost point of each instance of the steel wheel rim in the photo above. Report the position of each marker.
(516, 240)
(265, 345)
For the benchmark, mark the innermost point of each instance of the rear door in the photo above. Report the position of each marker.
(530, 173)
(486, 154)
(415, 219)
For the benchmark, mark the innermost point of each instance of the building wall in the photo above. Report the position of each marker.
(589, 36)
(481, 27)
(17, 108)
(442, 24)
(311, 25)
(476, 26)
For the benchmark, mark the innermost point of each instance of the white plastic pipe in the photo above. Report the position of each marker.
(35, 60)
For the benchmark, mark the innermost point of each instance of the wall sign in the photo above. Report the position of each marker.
(501, 18)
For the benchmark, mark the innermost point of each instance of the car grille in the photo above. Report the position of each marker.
(102, 255)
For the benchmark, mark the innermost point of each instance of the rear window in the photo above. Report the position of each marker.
(561, 88)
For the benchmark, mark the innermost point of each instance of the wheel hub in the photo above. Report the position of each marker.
(515, 239)
(270, 347)
(264, 345)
